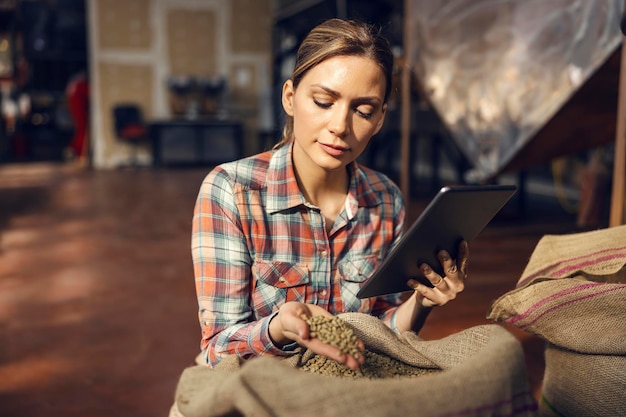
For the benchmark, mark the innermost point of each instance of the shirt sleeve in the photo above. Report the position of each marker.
(222, 269)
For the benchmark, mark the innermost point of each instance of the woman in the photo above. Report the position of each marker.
(294, 232)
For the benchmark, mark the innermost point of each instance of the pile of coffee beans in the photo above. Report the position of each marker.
(338, 333)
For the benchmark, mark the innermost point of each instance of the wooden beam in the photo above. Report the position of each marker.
(618, 195)
(405, 115)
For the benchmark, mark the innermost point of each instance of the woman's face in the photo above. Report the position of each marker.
(336, 109)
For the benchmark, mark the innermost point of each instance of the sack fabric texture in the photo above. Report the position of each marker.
(572, 294)
(482, 373)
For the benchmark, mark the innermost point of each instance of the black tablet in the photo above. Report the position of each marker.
(456, 213)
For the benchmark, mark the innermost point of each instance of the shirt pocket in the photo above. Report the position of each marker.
(354, 273)
(277, 283)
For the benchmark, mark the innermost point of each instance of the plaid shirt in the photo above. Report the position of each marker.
(257, 243)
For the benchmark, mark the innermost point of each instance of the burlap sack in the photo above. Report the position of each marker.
(598, 255)
(579, 385)
(482, 374)
(572, 294)
(576, 314)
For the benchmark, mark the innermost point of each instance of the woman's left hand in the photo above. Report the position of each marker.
(447, 287)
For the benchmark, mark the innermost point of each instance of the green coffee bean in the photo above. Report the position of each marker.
(336, 332)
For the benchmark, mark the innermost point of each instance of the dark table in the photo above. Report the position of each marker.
(198, 141)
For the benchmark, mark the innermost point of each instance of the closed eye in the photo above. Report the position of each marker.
(322, 105)
(364, 114)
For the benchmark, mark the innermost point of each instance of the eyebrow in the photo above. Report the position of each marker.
(365, 100)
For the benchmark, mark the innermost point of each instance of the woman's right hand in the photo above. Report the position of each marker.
(289, 325)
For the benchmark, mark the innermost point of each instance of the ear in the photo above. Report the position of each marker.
(379, 125)
(288, 93)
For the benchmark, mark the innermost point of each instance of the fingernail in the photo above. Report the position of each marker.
(419, 288)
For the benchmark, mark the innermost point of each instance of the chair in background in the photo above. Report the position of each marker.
(130, 128)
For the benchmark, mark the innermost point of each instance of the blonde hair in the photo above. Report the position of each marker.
(338, 37)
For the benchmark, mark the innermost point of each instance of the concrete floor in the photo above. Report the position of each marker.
(97, 303)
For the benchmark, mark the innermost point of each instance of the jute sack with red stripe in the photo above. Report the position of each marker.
(482, 373)
(572, 294)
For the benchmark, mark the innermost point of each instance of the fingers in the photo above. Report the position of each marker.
(293, 317)
(321, 348)
(428, 295)
(296, 328)
(444, 288)
(439, 294)
(463, 258)
(433, 277)
(334, 353)
(449, 265)
(453, 268)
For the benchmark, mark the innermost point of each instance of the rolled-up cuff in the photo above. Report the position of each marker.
(270, 347)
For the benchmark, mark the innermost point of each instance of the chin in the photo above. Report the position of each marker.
(332, 164)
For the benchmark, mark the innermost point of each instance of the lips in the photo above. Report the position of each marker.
(333, 150)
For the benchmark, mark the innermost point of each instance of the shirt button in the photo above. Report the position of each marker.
(323, 293)
(282, 279)
(324, 253)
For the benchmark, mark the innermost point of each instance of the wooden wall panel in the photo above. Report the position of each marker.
(191, 40)
(123, 24)
(249, 31)
(244, 84)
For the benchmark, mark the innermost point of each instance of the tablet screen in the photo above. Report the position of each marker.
(456, 213)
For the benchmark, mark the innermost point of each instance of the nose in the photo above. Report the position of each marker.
(339, 123)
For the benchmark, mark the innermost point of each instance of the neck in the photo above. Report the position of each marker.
(316, 183)
(320, 188)
(328, 193)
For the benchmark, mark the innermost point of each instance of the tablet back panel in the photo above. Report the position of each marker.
(456, 213)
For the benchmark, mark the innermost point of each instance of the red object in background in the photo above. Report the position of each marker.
(133, 131)
(77, 93)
